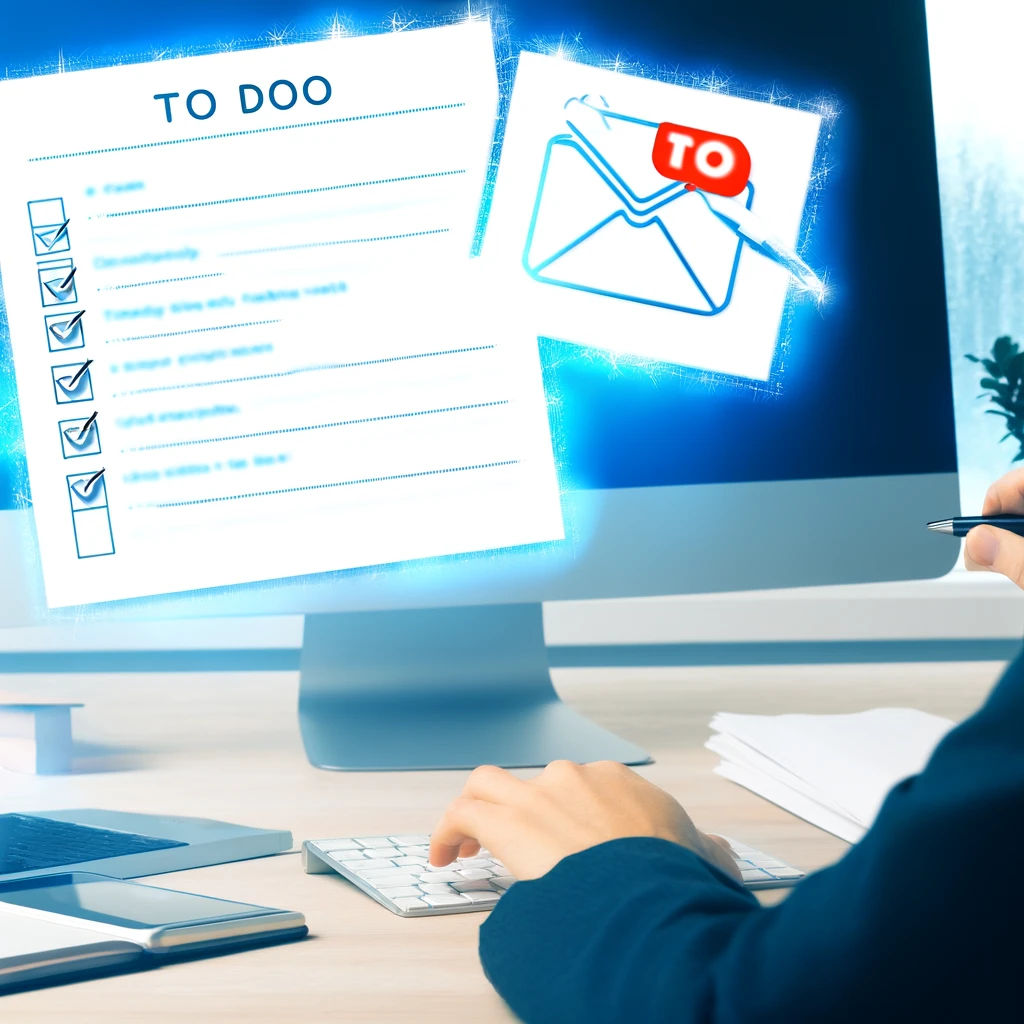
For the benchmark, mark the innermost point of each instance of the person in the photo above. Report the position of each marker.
(624, 911)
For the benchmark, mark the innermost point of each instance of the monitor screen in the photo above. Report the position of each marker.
(636, 283)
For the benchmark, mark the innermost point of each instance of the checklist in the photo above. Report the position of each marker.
(263, 331)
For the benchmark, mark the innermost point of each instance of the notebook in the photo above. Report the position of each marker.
(55, 926)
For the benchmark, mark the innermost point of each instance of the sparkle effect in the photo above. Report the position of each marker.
(568, 45)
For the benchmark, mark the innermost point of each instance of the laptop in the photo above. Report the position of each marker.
(121, 844)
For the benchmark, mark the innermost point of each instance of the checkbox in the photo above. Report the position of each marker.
(88, 490)
(65, 330)
(90, 514)
(49, 226)
(80, 437)
(57, 282)
(72, 382)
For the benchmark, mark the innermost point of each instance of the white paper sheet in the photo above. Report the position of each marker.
(284, 378)
(833, 770)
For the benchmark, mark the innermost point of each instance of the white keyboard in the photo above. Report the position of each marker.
(394, 870)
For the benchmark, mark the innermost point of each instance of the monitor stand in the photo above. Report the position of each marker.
(439, 688)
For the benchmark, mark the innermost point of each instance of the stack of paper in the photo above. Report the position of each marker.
(831, 770)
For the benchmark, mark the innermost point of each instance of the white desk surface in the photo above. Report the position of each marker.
(227, 746)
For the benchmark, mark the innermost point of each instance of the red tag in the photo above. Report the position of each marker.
(713, 163)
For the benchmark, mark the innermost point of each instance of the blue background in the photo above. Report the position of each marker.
(860, 388)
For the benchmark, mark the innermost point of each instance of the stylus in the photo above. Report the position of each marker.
(962, 525)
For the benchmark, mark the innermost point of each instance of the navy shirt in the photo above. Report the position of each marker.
(921, 920)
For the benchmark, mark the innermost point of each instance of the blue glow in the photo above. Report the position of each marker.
(618, 421)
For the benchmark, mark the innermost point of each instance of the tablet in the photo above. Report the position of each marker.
(88, 914)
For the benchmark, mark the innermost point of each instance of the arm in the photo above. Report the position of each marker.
(919, 921)
(625, 912)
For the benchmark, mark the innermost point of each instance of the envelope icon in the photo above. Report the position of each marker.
(605, 221)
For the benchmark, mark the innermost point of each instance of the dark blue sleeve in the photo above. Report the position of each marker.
(920, 921)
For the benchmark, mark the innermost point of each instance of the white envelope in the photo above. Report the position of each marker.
(605, 221)
(600, 250)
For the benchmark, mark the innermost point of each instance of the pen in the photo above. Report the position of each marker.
(962, 525)
(757, 234)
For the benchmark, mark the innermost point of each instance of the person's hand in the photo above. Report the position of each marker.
(531, 824)
(989, 549)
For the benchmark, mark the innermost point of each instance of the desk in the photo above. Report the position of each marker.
(227, 746)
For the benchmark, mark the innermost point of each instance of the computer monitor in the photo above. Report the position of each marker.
(700, 446)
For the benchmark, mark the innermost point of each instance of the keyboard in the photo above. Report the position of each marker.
(30, 843)
(394, 871)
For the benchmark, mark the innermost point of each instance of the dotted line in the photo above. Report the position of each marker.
(324, 487)
(306, 369)
(249, 131)
(343, 241)
(279, 195)
(191, 330)
(166, 280)
(316, 426)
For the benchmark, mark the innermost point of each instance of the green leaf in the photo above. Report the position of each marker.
(1003, 348)
(973, 359)
(1015, 367)
(1003, 402)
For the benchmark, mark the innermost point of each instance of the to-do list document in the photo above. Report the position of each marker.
(248, 339)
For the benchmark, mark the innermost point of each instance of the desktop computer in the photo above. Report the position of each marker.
(700, 342)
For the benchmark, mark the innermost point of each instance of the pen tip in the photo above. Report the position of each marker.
(942, 526)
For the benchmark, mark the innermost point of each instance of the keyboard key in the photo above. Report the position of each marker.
(441, 875)
(359, 866)
(373, 841)
(475, 862)
(475, 873)
(393, 877)
(483, 897)
(331, 845)
(387, 852)
(504, 882)
(410, 904)
(436, 888)
(348, 857)
(477, 884)
(400, 891)
(409, 840)
(786, 872)
(446, 901)
(411, 862)
(755, 875)
(414, 851)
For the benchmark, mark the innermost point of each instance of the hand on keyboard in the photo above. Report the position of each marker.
(394, 871)
(530, 825)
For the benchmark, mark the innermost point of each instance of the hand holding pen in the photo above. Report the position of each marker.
(995, 540)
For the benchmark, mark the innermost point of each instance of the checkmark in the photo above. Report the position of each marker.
(63, 328)
(86, 488)
(81, 437)
(57, 287)
(68, 384)
(48, 239)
